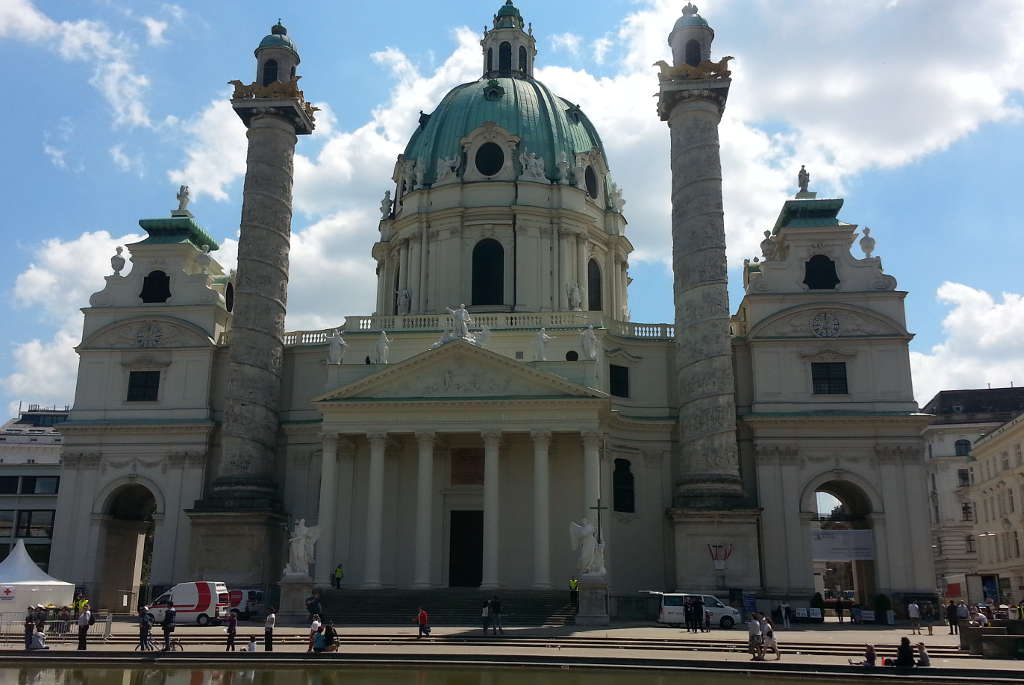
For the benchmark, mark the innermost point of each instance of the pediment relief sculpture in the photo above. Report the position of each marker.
(827, 323)
(454, 379)
(147, 334)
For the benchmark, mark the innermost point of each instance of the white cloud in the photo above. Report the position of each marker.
(215, 153)
(58, 281)
(56, 155)
(91, 42)
(601, 46)
(981, 345)
(155, 30)
(569, 42)
(175, 12)
(126, 162)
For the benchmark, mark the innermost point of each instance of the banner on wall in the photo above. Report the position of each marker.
(842, 545)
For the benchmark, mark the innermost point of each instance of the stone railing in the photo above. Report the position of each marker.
(654, 331)
(494, 321)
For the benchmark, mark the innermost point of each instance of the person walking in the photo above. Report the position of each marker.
(168, 625)
(268, 631)
(839, 610)
(232, 630)
(339, 573)
(313, 606)
(485, 615)
(928, 614)
(495, 615)
(145, 628)
(914, 614)
(768, 637)
(952, 617)
(423, 623)
(574, 592)
(30, 625)
(754, 638)
(698, 613)
(84, 621)
(785, 615)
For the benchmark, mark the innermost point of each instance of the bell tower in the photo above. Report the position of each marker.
(242, 504)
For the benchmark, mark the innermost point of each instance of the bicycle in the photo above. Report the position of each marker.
(146, 646)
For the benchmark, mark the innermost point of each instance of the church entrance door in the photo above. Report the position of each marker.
(466, 549)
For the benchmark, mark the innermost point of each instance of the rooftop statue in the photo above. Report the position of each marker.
(336, 348)
(183, 197)
(383, 348)
(540, 342)
(385, 205)
(706, 70)
(588, 338)
(117, 261)
(803, 179)
(867, 243)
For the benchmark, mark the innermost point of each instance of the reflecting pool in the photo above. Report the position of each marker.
(346, 675)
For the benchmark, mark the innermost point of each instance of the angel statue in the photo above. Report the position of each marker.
(336, 348)
(383, 348)
(540, 342)
(300, 548)
(591, 552)
(183, 197)
(588, 339)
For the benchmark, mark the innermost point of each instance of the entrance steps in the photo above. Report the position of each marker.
(446, 606)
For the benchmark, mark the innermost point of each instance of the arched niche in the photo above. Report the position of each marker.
(488, 273)
(595, 300)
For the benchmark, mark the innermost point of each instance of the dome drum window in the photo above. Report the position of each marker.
(489, 154)
(590, 178)
(490, 158)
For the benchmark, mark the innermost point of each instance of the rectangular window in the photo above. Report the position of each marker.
(829, 378)
(143, 386)
(39, 485)
(35, 523)
(8, 485)
(963, 477)
(618, 380)
(6, 523)
(40, 554)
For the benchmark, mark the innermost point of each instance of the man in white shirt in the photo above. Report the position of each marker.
(84, 620)
(754, 637)
(914, 614)
(268, 631)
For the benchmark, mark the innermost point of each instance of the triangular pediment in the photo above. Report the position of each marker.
(460, 370)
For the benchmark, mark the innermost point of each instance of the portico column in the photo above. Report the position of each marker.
(591, 474)
(492, 445)
(541, 511)
(424, 513)
(326, 516)
(374, 510)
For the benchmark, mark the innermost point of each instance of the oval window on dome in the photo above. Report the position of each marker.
(591, 179)
(490, 158)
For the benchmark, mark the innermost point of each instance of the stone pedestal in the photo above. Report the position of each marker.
(294, 591)
(241, 549)
(593, 602)
(694, 529)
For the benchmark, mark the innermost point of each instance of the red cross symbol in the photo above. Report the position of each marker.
(7, 590)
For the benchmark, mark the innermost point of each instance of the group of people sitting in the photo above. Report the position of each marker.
(323, 636)
(904, 656)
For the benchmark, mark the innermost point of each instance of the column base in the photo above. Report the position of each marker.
(593, 602)
(733, 532)
(240, 548)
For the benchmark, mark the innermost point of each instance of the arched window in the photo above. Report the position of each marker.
(488, 272)
(623, 492)
(490, 60)
(505, 59)
(963, 448)
(594, 300)
(156, 287)
(397, 288)
(820, 273)
(591, 181)
(693, 53)
(522, 59)
(269, 71)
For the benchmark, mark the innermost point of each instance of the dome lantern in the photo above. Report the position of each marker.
(277, 56)
(691, 38)
(508, 49)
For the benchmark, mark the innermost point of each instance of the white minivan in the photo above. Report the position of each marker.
(673, 606)
(201, 601)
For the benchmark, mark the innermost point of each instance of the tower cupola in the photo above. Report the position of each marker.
(276, 57)
(691, 38)
(508, 49)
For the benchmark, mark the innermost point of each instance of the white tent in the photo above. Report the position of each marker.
(24, 584)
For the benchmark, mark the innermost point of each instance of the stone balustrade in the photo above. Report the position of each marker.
(494, 321)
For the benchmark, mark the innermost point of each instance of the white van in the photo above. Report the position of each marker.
(202, 602)
(673, 605)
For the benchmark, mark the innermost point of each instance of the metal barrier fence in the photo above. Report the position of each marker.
(57, 631)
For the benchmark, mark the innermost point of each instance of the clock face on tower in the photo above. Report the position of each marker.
(825, 325)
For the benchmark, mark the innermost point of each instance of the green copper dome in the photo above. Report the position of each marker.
(547, 125)
(278, 38)
(508, 17)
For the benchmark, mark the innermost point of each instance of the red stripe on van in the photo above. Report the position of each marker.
(205, 597)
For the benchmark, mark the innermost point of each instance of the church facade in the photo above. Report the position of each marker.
(499, 391)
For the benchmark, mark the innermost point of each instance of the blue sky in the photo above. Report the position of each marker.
(119, 101)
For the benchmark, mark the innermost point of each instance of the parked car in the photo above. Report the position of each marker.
(201, 601)
(673, 604)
